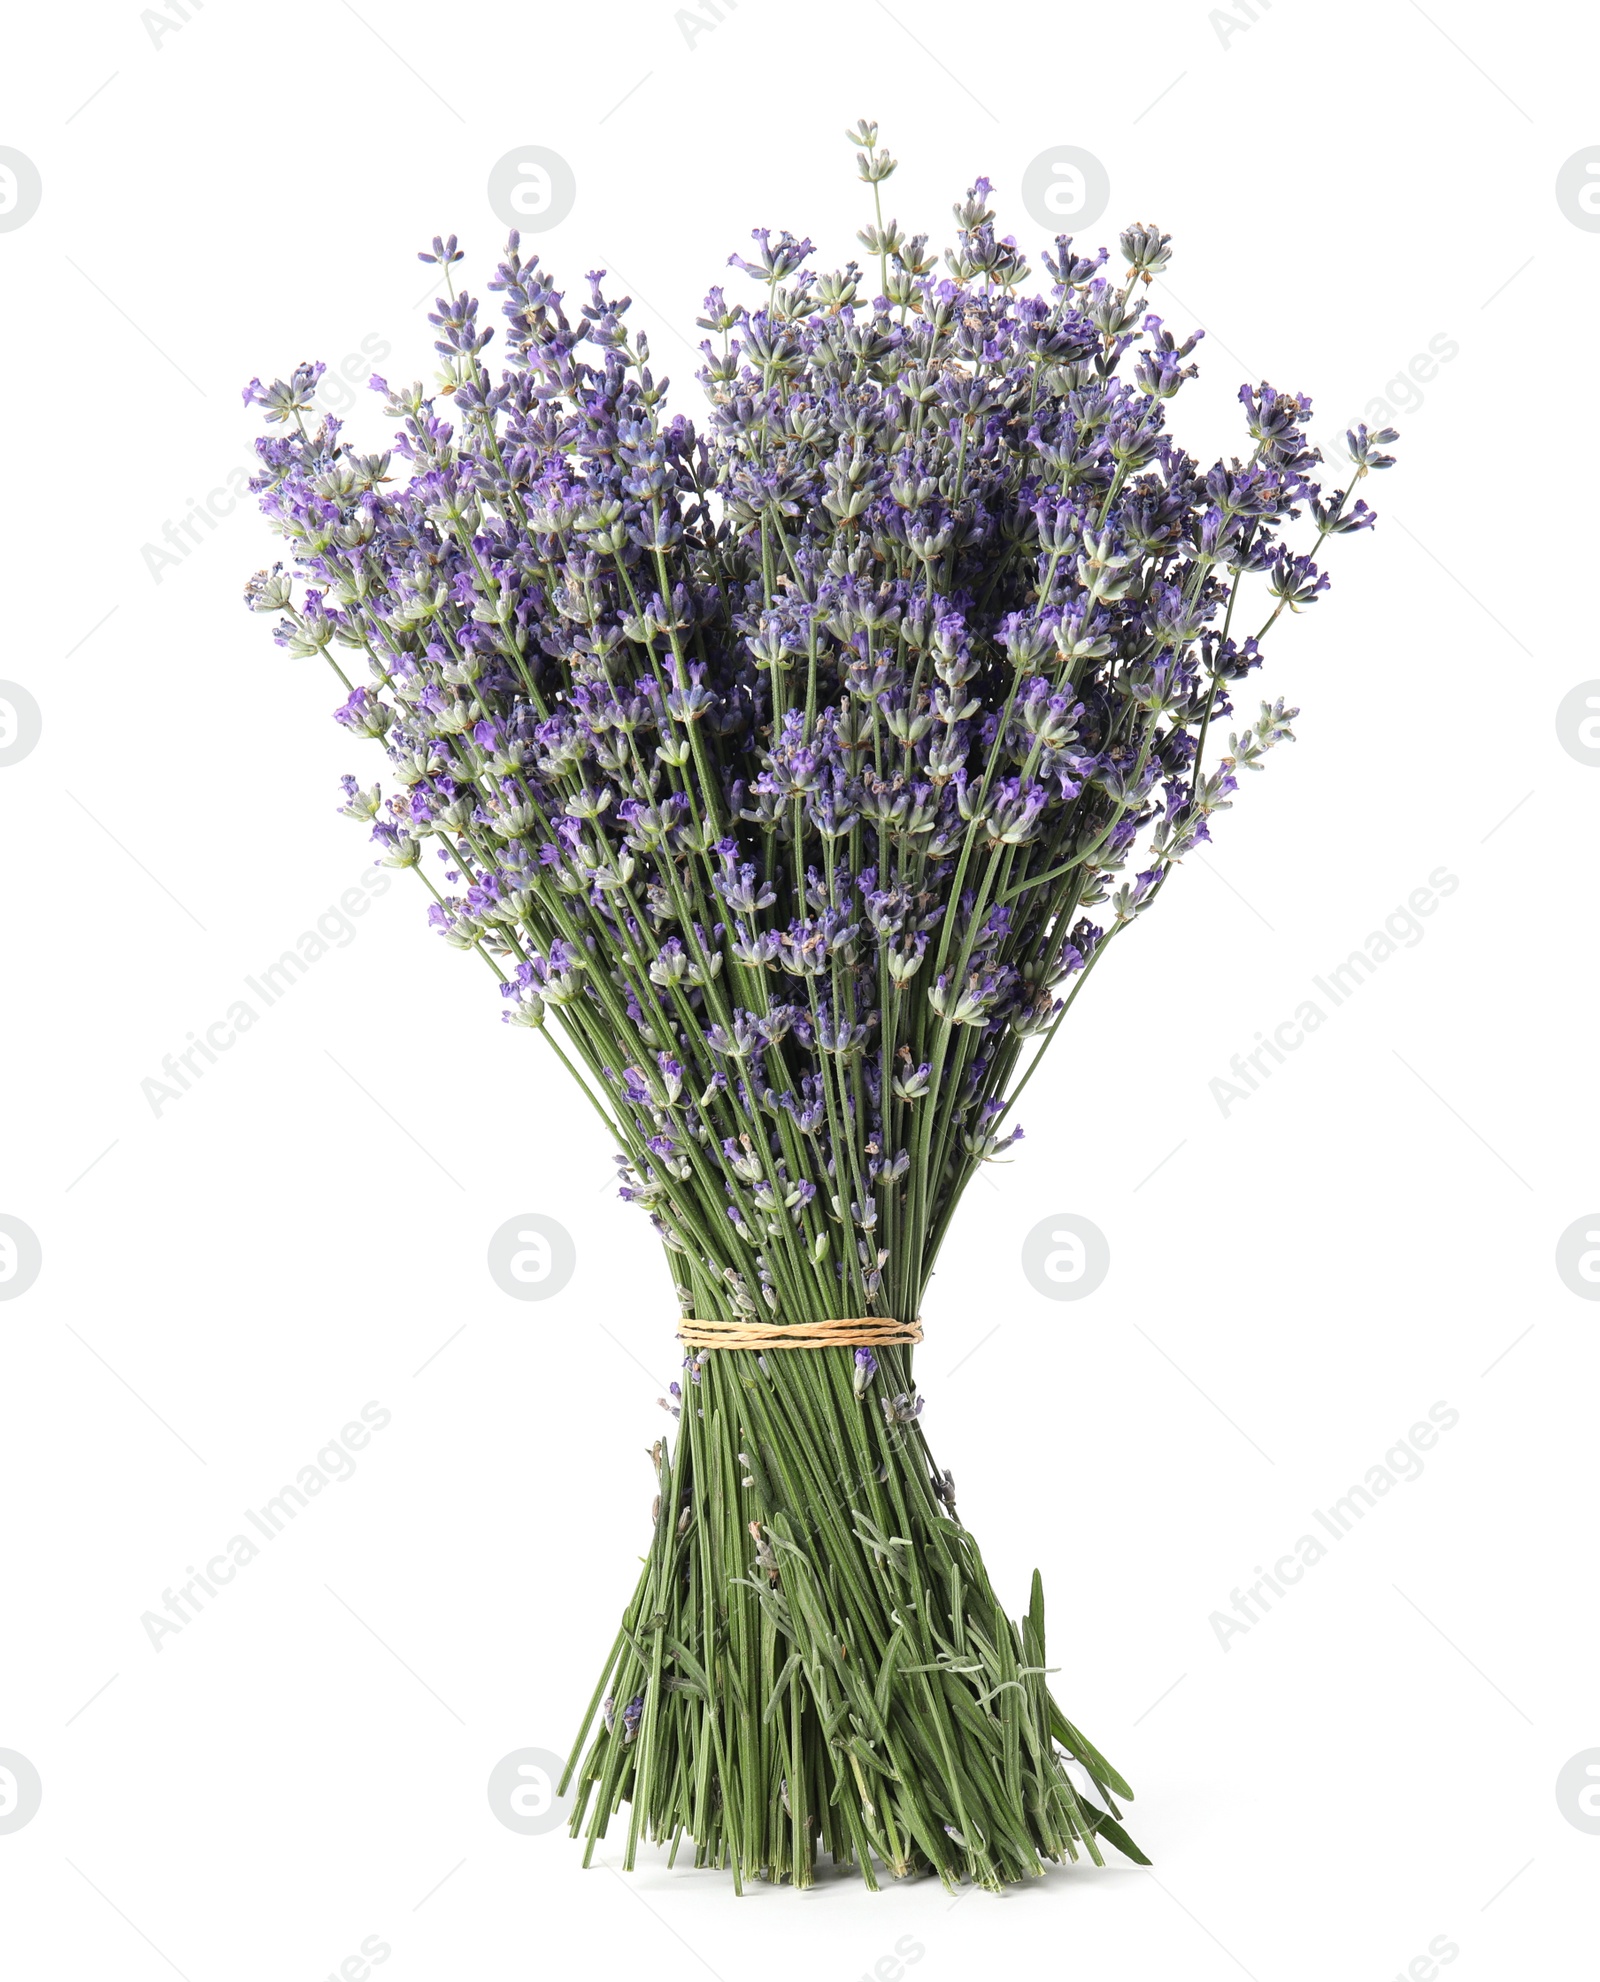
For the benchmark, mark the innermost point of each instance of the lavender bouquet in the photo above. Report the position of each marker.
(792, 775)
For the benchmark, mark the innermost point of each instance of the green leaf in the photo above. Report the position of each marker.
(780, 1686)
(1108, 1827)
(1036, 1611)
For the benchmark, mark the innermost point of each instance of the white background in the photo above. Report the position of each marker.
(1369, 1768)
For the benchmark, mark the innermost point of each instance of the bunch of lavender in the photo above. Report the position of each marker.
(793, 774)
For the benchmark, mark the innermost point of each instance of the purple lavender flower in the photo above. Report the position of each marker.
(773, 761)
